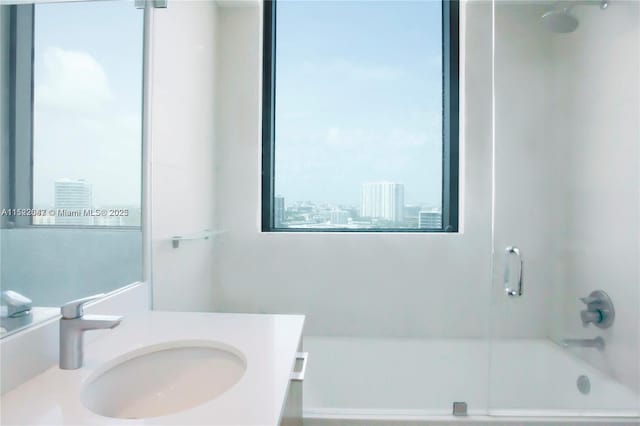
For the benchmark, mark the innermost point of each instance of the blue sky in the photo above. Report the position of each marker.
(87, 114)
(358, 99)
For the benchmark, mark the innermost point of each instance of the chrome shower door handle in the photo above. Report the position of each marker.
(511, 291)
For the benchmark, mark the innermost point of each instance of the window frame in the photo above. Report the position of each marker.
(17, 181)
(19, 177)
(450, 125)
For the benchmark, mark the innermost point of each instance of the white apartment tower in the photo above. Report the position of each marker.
(278, 211)
(383, 200)
(72, 197)
(339, 217)
(430, 219)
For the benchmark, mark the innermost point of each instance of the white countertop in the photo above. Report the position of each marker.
(268, 342)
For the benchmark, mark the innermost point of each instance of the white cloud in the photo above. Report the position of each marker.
(72, 81)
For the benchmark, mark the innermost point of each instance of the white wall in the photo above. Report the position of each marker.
(182, 141)
(558, 97)
(567, 158)
(597, 87)
(348, 284)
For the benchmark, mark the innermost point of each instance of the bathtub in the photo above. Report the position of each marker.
(355, 381)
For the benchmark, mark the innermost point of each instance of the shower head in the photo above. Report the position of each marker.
(562, 20)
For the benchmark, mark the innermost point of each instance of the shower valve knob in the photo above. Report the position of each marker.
(589, 300)
(599, 310)
(590, 317)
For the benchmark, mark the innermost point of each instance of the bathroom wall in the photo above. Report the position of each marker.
(416, 285)
(597, 91)
(527, 176)
(182, 143)
(363, 284)
(567, 159)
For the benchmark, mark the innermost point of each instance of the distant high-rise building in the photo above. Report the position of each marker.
(430, 219)
(383, 200)
(72, 197)
(107, 221)
(278, 211)
(339, 217)
(44, 220)
(133, 218)
(411, 216)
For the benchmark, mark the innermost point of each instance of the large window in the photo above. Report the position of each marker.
(360, 116)
(76, 114)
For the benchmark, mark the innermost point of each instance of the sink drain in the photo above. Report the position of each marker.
(584, 384)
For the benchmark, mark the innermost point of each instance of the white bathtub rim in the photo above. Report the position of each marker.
(494, 416)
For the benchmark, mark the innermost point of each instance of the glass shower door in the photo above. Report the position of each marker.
(565, 297)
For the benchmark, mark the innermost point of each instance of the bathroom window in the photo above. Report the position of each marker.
(76, 119)
(360, 116)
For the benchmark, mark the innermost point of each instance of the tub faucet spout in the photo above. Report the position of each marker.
(597, 343)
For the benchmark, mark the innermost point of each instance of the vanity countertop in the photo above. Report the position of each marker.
(269, 344)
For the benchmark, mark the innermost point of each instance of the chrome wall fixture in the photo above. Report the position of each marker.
(203, 235)
(459, 408)
(17, 304)
(561, 19)
(597, 342)
(159, 4)
(599, 310)
(509, 290)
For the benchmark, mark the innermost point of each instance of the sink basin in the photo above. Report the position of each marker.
(163, 379)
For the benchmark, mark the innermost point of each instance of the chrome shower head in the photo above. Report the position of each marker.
(562, 20)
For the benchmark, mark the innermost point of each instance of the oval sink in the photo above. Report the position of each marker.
(163, 379)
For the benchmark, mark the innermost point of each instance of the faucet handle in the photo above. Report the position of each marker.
(17, 304)
(589, 300)
(590, 317)
(599, 310)
(75, 308)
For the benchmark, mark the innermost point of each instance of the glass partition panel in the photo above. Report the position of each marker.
(565, 318)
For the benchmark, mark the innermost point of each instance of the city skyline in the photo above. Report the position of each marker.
(381, 206)
(73, 206)
(281, 198)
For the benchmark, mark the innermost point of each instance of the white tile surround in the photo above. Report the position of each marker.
(567, 157)
(601, 198)
(440, 285)
(428, 285)
(182, 153)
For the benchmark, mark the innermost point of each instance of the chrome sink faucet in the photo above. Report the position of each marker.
(73, 324)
